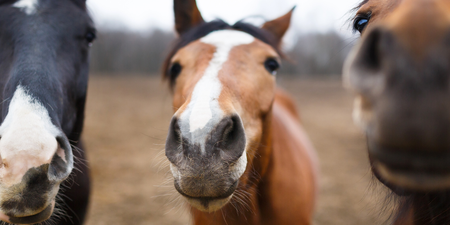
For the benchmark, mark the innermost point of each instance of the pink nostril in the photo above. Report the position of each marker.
(60, 152)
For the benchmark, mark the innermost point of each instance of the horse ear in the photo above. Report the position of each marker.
(187, 15)
(279, 26)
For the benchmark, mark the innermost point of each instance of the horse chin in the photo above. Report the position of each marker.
(31, 219)
(410, 171)
(412, 181)
(208, 205)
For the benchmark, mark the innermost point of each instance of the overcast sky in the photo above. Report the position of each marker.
(143, 15)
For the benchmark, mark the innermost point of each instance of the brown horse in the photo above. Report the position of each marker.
(400, 72)
(237, 151)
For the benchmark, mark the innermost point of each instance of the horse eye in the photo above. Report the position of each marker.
(272, 66)
(360, 23)
(90, 37)
(175, 70)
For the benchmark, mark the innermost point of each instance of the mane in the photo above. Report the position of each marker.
(207, 28)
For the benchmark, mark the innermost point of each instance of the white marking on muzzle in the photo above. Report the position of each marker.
(28, 137)
(204, 107)
(239, 167)
(28, 6)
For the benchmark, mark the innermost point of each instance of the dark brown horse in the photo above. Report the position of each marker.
(400, 72)
(44, 47)
(237, 151)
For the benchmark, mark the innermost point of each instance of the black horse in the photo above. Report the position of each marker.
(44, 47)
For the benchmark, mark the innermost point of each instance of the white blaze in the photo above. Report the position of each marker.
(28, 6)
(28, 137)
(204, 105)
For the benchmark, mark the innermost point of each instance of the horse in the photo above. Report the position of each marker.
(44, 47)
(237, 151)
(399, 72)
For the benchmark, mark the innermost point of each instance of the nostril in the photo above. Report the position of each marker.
(62, 162)
(231, 131)
(223, 132)
(229, 138)
(173, 140)
(61, 153)
(369, 57)
(366, 66)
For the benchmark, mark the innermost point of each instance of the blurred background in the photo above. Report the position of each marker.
(134, 34)
(129, 108)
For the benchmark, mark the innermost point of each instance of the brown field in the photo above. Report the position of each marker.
(125, 129)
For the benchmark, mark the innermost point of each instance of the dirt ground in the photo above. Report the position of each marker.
(125, 128)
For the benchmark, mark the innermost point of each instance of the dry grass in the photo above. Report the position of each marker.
(126, 125)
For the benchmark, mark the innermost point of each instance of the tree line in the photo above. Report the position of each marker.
(126, 52)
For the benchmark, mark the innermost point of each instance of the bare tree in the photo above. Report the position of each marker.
(130, 52)
(317, 54)
(125, 52)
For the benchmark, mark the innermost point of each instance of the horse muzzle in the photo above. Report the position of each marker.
(207, 164)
